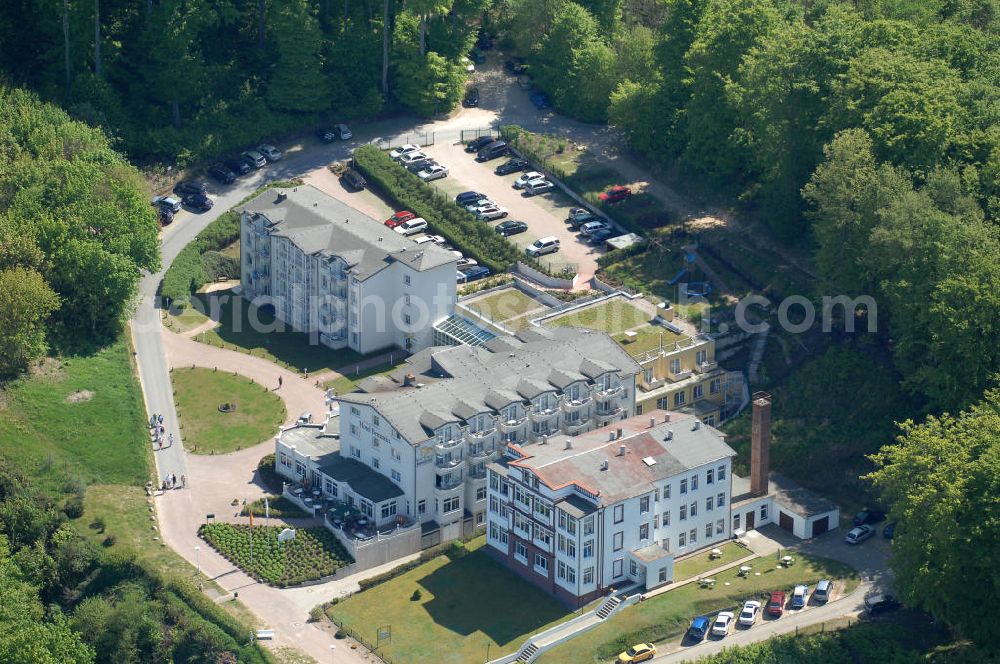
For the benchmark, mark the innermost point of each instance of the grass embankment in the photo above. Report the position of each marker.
(667, 616)
(451, 611)
(612, 316)
(504, 305)
(207, 430)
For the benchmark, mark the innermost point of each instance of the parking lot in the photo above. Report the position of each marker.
(545, 214)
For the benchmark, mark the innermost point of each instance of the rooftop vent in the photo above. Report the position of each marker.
(544, 440)
(621, 450)
(666, 418)
(696, 425)
(604, 465)
(281, 197)
(611, 435)
(618, 433)
(649, 461)
(408, 379)
(652, 422)
(569, 444)
(670, 435)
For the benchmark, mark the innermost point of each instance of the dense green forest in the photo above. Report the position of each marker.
(181, 80)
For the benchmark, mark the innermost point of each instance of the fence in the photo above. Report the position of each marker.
(467, 135)
(540, 277)
(423, 139)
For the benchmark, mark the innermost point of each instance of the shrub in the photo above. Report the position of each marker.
(268, 475)
(216, 265)
(109, 541)
(316, 614)
(459, 227)
(415, 597)
(73, 507)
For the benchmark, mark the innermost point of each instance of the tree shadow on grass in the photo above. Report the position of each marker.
(476, 594)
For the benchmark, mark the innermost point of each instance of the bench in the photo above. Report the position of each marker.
(265, 634)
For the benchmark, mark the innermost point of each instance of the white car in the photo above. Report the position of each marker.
(424, 239)
(403, 149)
(169, 202)
(525, 178)
(535, 187)
(435, 172)
(481, 204)
(270, 152)
(592, 227)
(491, 213)
(343, 132)
(800, 597)
(748, 616)
(723, 623)
(439, 241)
(466, 262)
(412, 226)
(412, 157)
(542, 246)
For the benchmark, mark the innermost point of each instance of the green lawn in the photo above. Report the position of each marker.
(465, 606)
(612, 316)
(702, 562)
(79, 418)
(186, 319)
(649, 338)
(349, 379)
(199, 393)
(668, 615)
(244, 328)
(505, 304)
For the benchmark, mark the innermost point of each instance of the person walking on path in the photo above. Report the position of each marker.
(171, 440)
(280, 381)
(184, 481)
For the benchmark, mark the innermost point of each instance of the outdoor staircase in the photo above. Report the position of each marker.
(608, 607)
(527, 654)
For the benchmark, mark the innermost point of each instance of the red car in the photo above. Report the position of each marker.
(615, 194)
(776, 605)
(399, 217)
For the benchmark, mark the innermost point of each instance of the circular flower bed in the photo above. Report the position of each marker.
(313, 554)
(227, 408)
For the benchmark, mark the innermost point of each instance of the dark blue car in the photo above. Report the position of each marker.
(699, 628)
(469, 197)
(472, 273)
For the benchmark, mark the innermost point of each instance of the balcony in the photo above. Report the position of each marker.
(574, 428)
(481, 452)
(511, 425)
(543, 415)
(608, 412)
(609, 393)
(574, 405)
(478, 435)
(449, 445)
(449, 483)
(705, 367)
(448, 462)
(682, 375)
(478, 474)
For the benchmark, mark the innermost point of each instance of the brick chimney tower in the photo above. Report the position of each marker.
(760, 446)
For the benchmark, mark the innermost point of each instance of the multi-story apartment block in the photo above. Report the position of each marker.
(682, 375)
(611, 507)
(332, 271)
(431, 426)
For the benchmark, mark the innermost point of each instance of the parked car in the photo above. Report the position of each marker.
(326, 134)
(599, 237)
(166, 203)
(859, 534)
(748, 616)
(492, 151)
(221, 173)
(421, 165)
(238, 165)
(198, 202)
(403, 149)
(354, 179)
(542, 246)
(525, 178)
(477, 144)
(578, 213)
(576, 222)
(435, 172)
(475, 206)
(823, 591)
(399, 217)
(699, 628)
(185, 187)
(879, 602)
(540, 100)
(510, 227)
(464, 262)
(723, 623)
(343, 133)
(411, 157)
(594, 226)
(165, 216)
(511, 166)
(468, 197)
(890, 530)
(412, 226)
(515, 66)
(271, 153)
(491, 213)
(424, 239)
(253, 159)
(868, 516)
(536, 187)
(471, 99)
(640, 652)
(615, 194)
(800, 597)
(472, 273)
(776, 603)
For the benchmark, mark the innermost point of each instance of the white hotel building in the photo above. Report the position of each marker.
(612, 507)
(334, 272)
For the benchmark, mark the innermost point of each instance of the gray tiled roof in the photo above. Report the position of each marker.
(320, 224)
(674, 447)
(486, 381)
(363, 480)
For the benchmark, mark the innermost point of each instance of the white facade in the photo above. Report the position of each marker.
(351, 283)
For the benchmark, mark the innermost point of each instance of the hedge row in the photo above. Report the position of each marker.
(407, 192)
(199, 262)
